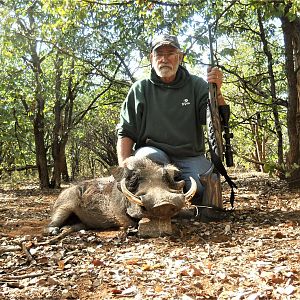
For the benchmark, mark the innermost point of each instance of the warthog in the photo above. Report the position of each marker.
(142, 190)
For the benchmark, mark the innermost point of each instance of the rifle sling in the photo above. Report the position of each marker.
(221, 169)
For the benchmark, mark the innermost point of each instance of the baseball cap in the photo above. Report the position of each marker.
(165, 39)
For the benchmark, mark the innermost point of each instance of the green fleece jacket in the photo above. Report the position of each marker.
(166, 116)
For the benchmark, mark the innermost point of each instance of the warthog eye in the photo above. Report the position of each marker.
(132, 182)
(169, 180)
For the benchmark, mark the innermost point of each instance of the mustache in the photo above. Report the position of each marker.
(161, 66)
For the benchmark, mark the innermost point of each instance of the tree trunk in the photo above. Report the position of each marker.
(40, 152)
(64, 167)
(75, 168)
(39, 121)
(272, 88)
(260, 141)
(258, 157)
(58, 154)
(63, 118)
(291, 35)
(57, 148)
(37, 113)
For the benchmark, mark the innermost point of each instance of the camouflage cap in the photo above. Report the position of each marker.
(165, 39)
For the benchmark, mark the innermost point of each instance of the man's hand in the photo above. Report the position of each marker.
(215, 75)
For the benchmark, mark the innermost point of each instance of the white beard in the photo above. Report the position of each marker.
(165, 71)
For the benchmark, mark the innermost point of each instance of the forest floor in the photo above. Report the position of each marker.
(255, 254)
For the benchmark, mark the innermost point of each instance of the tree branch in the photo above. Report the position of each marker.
(125, 66)
(81, 115)
(248, 159)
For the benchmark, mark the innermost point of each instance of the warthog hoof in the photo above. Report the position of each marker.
(52, 230)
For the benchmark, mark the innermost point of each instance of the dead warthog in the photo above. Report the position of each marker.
(142, 190)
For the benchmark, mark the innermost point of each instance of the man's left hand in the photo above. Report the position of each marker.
(215, 75)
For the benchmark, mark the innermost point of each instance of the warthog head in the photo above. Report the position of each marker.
(154, 188)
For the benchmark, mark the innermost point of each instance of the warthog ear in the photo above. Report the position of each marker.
(172, 170)
(123, 172)
(170, 176)
(117, 173)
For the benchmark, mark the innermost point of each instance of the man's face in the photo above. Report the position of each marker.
(165, 61)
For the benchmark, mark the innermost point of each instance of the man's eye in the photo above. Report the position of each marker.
(166, 54)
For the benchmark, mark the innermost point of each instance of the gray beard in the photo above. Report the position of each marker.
(165, 72)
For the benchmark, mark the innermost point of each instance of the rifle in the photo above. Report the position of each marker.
(218, 116)
(218, 120)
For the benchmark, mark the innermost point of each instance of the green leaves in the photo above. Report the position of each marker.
(104, 47)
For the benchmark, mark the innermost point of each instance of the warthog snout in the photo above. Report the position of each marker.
(164, 209)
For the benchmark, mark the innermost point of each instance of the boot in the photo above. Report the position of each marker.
(211, 208)
(212, 196)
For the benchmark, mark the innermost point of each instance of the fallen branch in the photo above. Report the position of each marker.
(9, 248)
(57, 238)
(24, 276)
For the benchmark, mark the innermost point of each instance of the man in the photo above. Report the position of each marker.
(162, 117)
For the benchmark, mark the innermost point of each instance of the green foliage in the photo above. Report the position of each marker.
(103, 47)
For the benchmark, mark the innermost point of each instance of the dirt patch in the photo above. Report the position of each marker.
(255, 254)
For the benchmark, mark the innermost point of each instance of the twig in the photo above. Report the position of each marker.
(57, 238)
(2, 234)
(24, 276)
(29, 256)
(208, 250)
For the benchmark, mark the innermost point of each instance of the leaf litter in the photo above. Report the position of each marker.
(255, 254)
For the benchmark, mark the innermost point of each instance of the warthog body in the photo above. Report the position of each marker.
(142, 189)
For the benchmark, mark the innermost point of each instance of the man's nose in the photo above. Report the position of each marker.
(164, 57)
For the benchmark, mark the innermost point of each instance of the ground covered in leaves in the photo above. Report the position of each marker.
(255, 254)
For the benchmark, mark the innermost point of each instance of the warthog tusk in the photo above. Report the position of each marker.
(191, 192)
(131, 197)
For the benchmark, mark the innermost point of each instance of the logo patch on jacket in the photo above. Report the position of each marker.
(185, 102)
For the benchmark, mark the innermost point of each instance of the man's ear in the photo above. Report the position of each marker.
(151, 58)
(181, 57)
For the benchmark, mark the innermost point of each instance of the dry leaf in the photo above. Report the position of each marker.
(61, 264)
(116, 291)
(134, 261)
(279, 235)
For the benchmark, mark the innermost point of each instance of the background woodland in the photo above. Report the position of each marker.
(66, 67)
